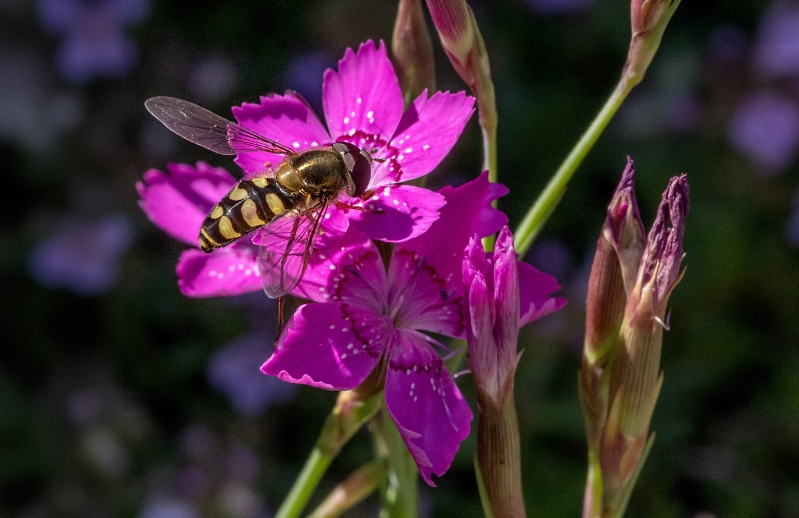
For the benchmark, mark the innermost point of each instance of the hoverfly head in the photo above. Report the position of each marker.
(359, 166)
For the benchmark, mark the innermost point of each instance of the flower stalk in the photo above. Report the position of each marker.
(349, 414)
(360, 484)
(399, 484)
(499, 291)
(649, 19)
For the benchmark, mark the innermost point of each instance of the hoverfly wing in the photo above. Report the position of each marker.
(209, 130)
(285, 249)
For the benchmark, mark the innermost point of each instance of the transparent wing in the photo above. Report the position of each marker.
(209, 130)
(286, 245)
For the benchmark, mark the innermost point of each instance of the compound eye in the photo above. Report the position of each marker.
(361, 172)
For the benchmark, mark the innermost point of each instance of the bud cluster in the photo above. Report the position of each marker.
(630, 284)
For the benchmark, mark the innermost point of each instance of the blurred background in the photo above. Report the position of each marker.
(120, 397)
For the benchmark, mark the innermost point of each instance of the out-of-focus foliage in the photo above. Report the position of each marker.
(120, 397)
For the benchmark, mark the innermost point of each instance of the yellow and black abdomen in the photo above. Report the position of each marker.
(249, 206)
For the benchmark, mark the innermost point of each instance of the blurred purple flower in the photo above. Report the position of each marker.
(726, 44)
(94, 42)
(302, 73)
(167, 507)
(33, 114)
(557, 7)
(82, 257)
(765, 127)
(212, 79)
(777, 47)
(552, 256)
(233, 371)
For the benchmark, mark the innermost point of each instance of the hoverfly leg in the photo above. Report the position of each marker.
(361, 208)
(280, 302)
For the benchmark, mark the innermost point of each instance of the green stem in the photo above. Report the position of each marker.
(349, 414)
(399, 493)
(304, 486)
(549, 198)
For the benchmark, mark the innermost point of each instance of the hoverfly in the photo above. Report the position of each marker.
(289, 201)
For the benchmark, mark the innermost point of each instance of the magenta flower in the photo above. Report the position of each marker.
(365, 310)
(503, 294)
(363, 105)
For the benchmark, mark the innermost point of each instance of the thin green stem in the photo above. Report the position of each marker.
(399, 492)
(304, 486)
(346, 418)
(545, 204)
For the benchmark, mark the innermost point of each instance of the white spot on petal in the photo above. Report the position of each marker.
(425, 147)
(295, 144)
(346, 120)
(370, 114)
(408, 150)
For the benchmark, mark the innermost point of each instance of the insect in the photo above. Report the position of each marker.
(289, 201)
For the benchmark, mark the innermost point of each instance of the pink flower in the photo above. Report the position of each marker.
(363, 105)
(503, 295)
(365, 310)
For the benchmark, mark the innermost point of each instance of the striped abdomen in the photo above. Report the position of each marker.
(249, 206)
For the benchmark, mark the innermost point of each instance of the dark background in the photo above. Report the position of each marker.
(121, 397)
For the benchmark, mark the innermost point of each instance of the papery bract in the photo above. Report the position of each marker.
(365, 311)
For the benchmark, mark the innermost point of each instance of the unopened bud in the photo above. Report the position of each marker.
(616, 261)
(636, 367)
(648, 19)
(463, 43)
(412, 51)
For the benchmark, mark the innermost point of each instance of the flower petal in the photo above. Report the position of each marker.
(352, 271)
(424, 136)
(364, 95)
(468, 212)
(284, 119)
(178, 202)
(426, 405)
(506, 301)
(397, 213)
(535, 288)
(419, 299)
(333, 346)
(224, 272)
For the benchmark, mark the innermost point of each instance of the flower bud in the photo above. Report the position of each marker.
(648, 19)
(463, 43)
(618, 396)
(636, 379)
(618, 254)
(412, 51)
